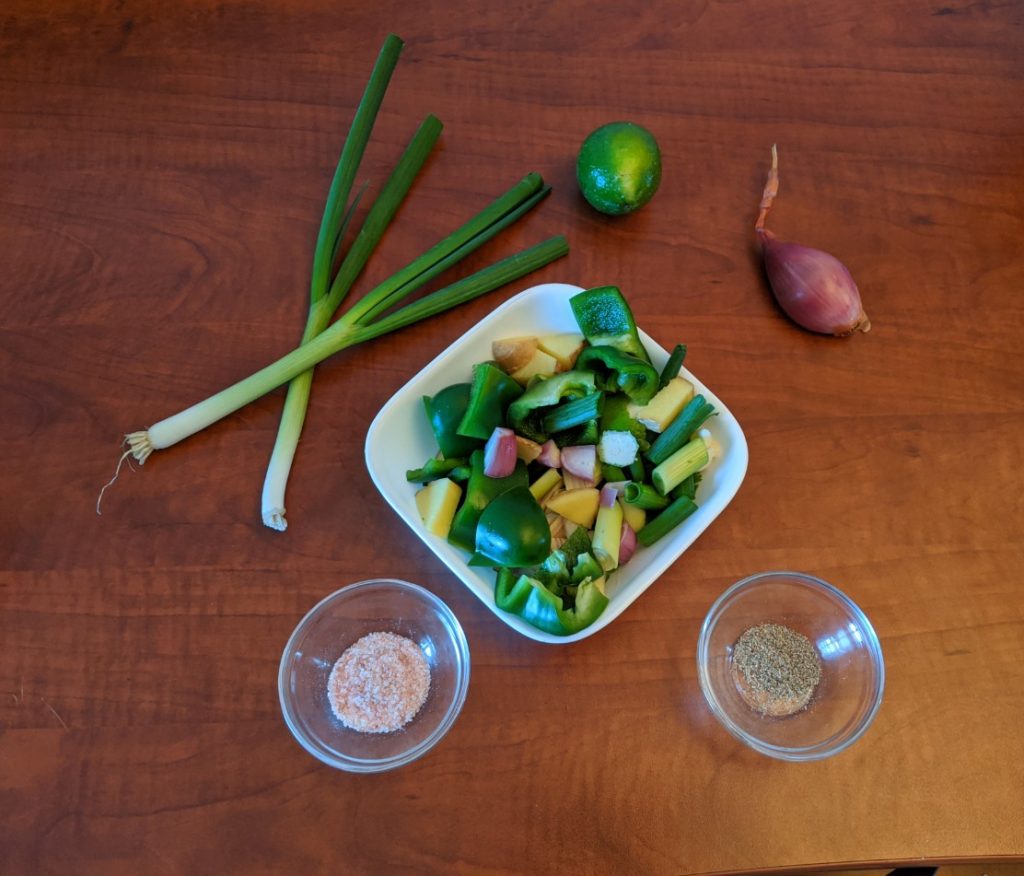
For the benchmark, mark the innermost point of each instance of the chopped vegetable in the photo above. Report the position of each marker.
(661, 410)
(604, 318)
(581, 461)
(513, 530)
(480, 491)
(538, 606)
(526, 413)
(666, 521)
(545, 483)
(627, 542)
(564, 347)
(680, 465)
(617, 448)
(550, 454)
(445, 411)
(681, 429)
(673, 365)
(607, 534)
(616, 370)
(490, 394)
(500, 453)
(634, 515)
(436, 503)
(433, 469)
(526, 449)
(513, 353)
(644, 496)
(580, 505)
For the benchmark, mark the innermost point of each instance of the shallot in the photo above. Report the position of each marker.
(627, 544)
(814, 288)
(500, 453)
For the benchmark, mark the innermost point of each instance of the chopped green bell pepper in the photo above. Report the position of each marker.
(617, 370)
(575, 545)
(513, 530)
(553, 573)
(604, 318)
(586, 567)
(433, 469)
(588, 433)
(445, 411)
(481, 490)
(615, 417)
(538, 606)
(490, 394)
(526, 413)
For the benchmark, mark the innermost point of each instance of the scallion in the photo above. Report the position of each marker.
(337, 337)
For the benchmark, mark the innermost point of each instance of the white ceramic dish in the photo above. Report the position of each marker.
(400, 438)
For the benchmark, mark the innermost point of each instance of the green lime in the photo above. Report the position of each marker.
(619, 167)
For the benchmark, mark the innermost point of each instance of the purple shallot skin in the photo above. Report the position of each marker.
(814, 288)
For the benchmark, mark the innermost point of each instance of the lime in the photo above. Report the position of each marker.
(619, 168)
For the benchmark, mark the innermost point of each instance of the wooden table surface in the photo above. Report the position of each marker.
(162, 174)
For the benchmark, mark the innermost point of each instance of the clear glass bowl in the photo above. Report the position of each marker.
(849, 694)
(335, 623)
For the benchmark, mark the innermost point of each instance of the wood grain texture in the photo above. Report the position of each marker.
(162, 170)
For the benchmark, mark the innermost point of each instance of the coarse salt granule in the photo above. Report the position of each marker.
(379, 683)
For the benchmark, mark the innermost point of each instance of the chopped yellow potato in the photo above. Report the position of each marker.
(579, 506)
(545, 483)
(564, 347)
(436, 503)
(635, 517)
(607, 535)
(539, 363)
(513, 353)
(661, 410)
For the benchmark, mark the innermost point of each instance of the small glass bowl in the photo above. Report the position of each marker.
(849, 694)
(335, 623)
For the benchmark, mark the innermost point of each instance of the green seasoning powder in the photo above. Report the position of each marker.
(776, 669)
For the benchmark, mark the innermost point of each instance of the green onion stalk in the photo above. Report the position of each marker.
(335, 338)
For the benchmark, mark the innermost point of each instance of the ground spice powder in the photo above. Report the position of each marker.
(776, 669)
(379, 683)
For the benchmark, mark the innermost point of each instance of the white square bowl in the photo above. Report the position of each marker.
(400, 438)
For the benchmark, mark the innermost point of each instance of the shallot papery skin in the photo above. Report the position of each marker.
(814, 288)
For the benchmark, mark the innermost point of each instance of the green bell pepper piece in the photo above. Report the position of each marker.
(586, 567)
(509, 594)
(445, 411)
(480, 491)
(575, 545)
(490, 394)
(526, 413)
(588, 433)
(538, 606)
(618, 370)
(433, 469)
(604, 318)
(615, 417)
(553, 573)
(513, 530)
